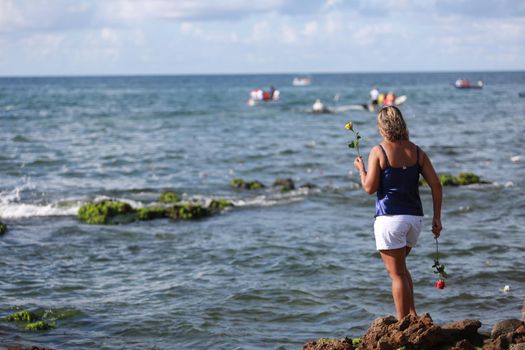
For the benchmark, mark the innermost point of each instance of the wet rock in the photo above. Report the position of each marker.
(247, 185)
(461, 179)
(39, 326)
(188, 212)
(220, 204)
(145, 214)
(23, 316)
(169, 197)
(329, 344)
(308, 186)
(285, 184)
(3, 228)
(504, 327)
(104, 212)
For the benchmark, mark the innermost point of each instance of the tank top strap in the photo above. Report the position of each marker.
(386, 157)
(417, 156)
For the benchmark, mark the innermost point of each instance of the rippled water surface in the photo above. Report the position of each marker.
(276, 270)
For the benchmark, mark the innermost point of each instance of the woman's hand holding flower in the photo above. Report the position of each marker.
(359, 164)
(436, 227)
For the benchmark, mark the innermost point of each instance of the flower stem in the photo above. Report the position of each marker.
(437, 249)
(357, 143)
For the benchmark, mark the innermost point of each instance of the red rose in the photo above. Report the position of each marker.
(440, 284)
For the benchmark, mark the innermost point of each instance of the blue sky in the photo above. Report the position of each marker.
(90, 37)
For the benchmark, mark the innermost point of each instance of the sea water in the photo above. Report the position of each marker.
(276, 270)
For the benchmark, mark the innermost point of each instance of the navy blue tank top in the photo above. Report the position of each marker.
(398, 192)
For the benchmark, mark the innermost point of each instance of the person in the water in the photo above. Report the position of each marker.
(393, 172)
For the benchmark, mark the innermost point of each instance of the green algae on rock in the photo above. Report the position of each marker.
(286, 185)
(39, 326)
(188, 212)
(329, 344)
(3, 228)
(247, 185)
(105, 212)
(220, 204)
(461, 179)
(25, 316)
(145, 214)
(467, 179)
(169, 197)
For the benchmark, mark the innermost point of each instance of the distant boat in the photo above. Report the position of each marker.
(260, 95)
(368, 107)
(301, 81)
(465, 84)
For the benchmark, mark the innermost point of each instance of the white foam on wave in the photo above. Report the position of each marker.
(271, 199)
(133, 203)
(12, 208)
(22, 210)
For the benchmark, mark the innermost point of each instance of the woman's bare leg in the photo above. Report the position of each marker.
(412, 306)
(402, 293)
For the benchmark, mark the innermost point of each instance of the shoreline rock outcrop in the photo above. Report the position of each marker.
(109, 212)
(420, 333)
(462, 179)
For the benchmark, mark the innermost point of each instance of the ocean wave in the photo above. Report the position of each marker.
(11, 207)
(23, 210)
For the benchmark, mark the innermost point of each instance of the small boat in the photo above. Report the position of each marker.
(465, 84)
(301, 81)
(261, 95)
(399, 100)
(319, 108)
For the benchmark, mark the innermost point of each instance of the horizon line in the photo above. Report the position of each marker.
(129, 75)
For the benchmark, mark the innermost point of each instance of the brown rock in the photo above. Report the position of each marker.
(518, 336)
(523, 312)
(466, 329)
(412, 332)
(463, 345)
(504, 327)
(501, 343)
(520, 346)
(329, 344)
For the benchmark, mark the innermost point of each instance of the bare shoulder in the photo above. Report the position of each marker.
(422, 155)
(376, 150)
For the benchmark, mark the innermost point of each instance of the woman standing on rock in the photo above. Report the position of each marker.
(393, 172)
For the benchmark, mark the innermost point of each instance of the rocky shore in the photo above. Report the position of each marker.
(413, 332)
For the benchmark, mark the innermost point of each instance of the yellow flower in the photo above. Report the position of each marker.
(349, 126)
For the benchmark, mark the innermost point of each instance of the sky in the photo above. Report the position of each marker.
(123, 37)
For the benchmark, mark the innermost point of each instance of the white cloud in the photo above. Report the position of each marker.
(371, 34)
(322, 32)
(109, 35)
(188, 9)
(310, 29)
(288, 34)
(43, 44)
(10, 16)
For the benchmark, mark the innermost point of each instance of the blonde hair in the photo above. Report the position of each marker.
(391, 124)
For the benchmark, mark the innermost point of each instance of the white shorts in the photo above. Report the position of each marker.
(397, 231)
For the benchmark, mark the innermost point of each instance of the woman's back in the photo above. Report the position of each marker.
(398, 192)
(399, 154)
